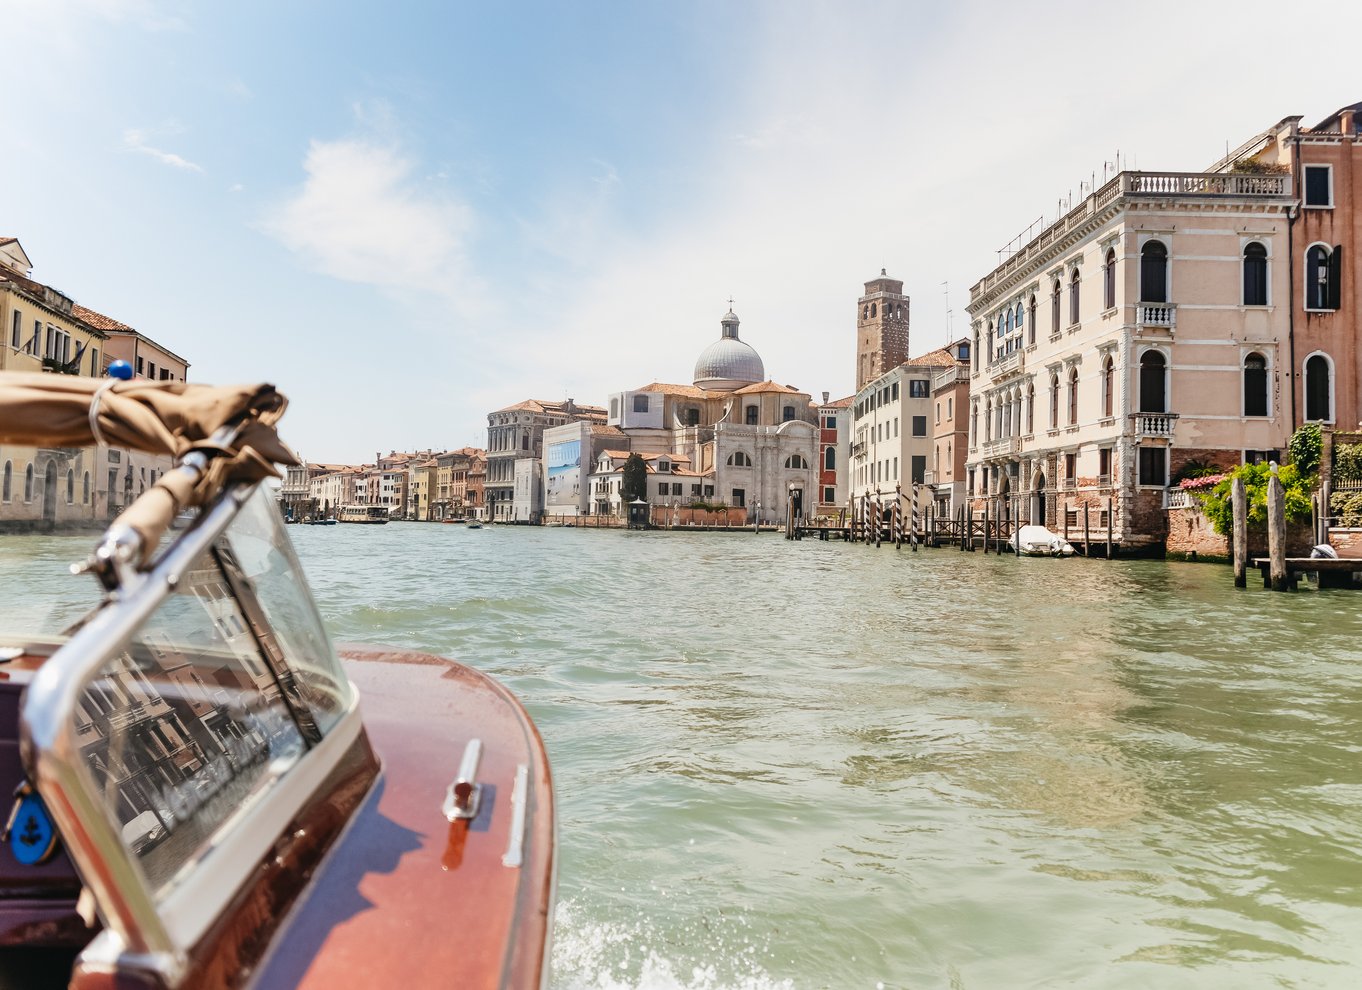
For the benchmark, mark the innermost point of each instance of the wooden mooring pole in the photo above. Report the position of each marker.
(1276, 532)
(1239, 534)
(1087, 546)
(1111, 521)
(986, 504)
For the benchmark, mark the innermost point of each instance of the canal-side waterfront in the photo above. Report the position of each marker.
(824, 766)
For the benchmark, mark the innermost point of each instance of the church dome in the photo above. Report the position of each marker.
(728, 363)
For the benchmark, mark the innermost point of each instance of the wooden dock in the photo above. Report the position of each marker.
(1333, 572)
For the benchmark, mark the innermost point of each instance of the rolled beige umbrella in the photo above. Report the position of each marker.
(233, 425)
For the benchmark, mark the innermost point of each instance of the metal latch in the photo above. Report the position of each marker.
(461, 800)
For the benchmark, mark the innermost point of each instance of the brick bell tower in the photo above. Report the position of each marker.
(881, 328)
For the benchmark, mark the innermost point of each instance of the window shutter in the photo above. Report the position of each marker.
(1335, 276)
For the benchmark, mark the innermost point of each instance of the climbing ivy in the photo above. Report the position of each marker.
(1217, 507)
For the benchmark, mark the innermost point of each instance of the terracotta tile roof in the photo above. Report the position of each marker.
(939, 358)
(98, 320)
(602, 430)
(689, 391)
(840, 403)
(768, 386)
(558, 408)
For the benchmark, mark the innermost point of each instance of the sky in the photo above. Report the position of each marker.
(408, 215)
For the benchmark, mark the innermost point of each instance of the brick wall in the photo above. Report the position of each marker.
(1191, 536)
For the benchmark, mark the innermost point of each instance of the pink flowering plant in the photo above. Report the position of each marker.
(1202, 484)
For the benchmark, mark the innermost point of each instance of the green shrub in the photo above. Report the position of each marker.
(1346, 507)
(1305, 446)
(1348, 462)
(1296, 488)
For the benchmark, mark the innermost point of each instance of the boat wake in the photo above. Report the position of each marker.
(595, 955)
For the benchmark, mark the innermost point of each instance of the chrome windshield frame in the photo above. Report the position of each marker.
(147, 930)
(51, 752)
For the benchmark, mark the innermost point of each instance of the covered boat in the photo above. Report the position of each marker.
(1037, 541)
(201, 802)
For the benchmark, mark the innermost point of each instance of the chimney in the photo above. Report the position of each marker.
(825, 398)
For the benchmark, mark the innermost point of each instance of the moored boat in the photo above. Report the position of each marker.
(1037, 541)
(200, 802)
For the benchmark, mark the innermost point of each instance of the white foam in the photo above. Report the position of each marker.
(596, 955)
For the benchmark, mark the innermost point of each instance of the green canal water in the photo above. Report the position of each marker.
(810, 765)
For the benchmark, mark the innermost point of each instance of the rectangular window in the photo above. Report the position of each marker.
(895, 391)
(1104, 466)
(695, 490)
(919, 388)
(829, 494)
(830, 423)
(709, 491)
(919, 426)
(740, 497)
(640, 403)
(1153, 466)
(896, 469)
(919, 468)
(1319, 190)
(17, 333)
(676, 488)
(139, 366)
(662, 488)
(1071, 518)
(751, 415)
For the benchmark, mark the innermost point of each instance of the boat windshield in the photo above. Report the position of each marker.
(217, 695)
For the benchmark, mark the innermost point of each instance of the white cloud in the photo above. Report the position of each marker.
(360, 216)
(135, 140)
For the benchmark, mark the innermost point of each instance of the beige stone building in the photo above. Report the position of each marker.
(1144, 332)
(516, 433)
(894, 427)
(752, 442)
(46, 331)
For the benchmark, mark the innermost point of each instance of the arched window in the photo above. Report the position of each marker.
(70, 486)
(976, 353)
(1255, 385)
(739, 459)
(85, 490)
(974, 424)
(1153, 382)
(1031, 330)
(1054, 307)
(796, 461)
(7, 486)
(1154, 272)
(28, 483)
(830, 459)
(1019, 315)
(1073, 396)
(872, 311)
(988, 420)
(1108, 387)
(1321, 277)
(1054, 401)
(1031, 408)
(1109, 280)
(1319, 398)
(1255, 275)
(1073, 298)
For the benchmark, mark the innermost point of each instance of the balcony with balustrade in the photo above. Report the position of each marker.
(1153, 426)
(1006, 367)
(1002, 447)
(1156, 316)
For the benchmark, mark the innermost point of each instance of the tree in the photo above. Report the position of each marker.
(634, 479)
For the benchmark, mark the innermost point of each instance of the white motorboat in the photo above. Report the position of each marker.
(1037, 541)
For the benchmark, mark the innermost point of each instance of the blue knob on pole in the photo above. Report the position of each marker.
(120, 369)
